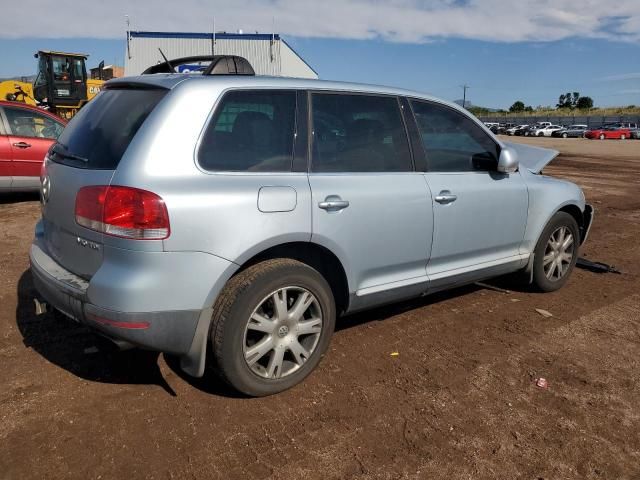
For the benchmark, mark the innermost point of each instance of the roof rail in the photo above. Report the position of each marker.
(219, 65)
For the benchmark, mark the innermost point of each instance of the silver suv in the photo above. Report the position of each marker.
(246, 213)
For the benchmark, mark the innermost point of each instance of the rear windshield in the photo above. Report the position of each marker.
(99, 133)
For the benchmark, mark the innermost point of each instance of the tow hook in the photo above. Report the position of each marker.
(41, 307)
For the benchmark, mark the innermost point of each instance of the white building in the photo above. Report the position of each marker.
(269, 54)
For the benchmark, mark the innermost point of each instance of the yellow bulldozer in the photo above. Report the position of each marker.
(61, 85)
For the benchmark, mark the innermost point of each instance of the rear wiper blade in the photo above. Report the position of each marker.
(68, 155)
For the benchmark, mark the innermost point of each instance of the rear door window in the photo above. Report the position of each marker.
(251, 131)
(99, 134)
(358, 133)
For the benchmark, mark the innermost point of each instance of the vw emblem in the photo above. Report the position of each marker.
(45, 190)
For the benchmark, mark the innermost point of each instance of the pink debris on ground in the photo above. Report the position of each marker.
(542, 383)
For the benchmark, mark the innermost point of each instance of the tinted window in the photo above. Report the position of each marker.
(102, 130)
(61, 68)
(251, 131)
(358, 133)
(453, 142)
(41, 79)
(26, 123)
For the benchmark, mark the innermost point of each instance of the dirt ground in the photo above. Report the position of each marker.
(458, 401)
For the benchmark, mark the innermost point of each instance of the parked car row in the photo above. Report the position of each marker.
(618, 130)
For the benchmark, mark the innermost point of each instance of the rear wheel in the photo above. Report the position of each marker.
(271, 326)
(556, 252)
(623, 137)
(602, 137)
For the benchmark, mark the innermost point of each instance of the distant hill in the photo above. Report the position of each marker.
(470, 105)
(26, 78)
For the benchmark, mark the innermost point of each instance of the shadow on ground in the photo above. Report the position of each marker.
(79, 350)
(8, 198)
(88, 355)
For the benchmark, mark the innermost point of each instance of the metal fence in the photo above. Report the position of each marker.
(590, 120)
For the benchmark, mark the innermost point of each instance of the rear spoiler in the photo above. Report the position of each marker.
(218, 65)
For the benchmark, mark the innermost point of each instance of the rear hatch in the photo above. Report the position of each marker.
(88, 153)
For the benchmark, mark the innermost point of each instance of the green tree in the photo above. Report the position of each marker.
(568, 100)
(478, 111)
(517, 107)
(574, 99)
(584, 103)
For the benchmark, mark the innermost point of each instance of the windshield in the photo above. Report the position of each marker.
(100, 133)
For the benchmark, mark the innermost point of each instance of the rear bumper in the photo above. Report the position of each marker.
(182, 332)
(167, 331)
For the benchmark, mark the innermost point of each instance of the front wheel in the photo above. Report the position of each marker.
(564, 135)
(271, 326)
(602, 137)
(623, 137)
(556, 252)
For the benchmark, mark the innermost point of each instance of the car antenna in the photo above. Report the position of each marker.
(166, 59)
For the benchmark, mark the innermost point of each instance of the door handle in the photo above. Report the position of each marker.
(445, 197)
(22, 145)
(333, 202)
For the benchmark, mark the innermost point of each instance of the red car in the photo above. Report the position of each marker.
(608, 132)
(26, 133)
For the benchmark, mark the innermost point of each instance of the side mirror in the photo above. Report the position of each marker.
(508, 161)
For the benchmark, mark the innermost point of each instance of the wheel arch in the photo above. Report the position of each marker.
(316, 256)
(547, 197)
(573, 210)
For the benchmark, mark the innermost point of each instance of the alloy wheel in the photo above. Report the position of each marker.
(558, 254)
(282, 332)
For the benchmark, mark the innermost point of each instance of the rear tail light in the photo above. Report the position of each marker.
(122, 212)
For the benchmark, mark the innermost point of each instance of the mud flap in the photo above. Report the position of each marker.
(193, 363)
(529, 268)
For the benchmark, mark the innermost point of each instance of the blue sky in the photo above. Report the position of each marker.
(529, 50)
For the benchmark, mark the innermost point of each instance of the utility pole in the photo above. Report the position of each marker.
(464, 95)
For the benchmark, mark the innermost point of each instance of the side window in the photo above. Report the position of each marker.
(251, 131)
(41, 79)
(453, 142)
(26, 123)
(78, 74)
(358, 133)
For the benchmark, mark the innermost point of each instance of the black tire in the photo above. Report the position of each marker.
(564, 135)
(244, 293)
(540, 280)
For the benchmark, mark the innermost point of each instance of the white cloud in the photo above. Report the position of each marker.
(622, 76)
(393, 20)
